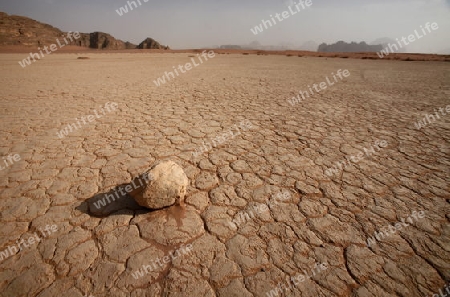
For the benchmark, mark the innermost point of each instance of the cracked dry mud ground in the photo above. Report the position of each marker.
(288, 149)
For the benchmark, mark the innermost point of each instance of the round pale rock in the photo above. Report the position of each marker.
(166, 186)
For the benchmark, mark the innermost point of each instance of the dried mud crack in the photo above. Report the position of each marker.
(260, 208)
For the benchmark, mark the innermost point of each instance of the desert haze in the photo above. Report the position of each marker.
(132, 168)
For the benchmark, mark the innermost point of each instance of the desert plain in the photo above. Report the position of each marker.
(245, 241)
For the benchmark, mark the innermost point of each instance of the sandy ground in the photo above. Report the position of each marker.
(313, 242)
(363, 55)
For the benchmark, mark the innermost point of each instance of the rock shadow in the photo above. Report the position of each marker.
(118, 198)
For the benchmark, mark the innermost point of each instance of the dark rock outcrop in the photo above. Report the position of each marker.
(129, 45)
(150, 43)
(100, 40)
(344, 47)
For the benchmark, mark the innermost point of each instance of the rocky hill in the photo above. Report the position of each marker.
(18, 30)
(100, 40)
(344, 47)
(150, 43)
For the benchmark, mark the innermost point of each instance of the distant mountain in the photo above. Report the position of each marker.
(385, 41)
(382, 41)
(309, 46)
(19, 30)
(255, 45)
(286, 46)
(344, 47)
(230, 46)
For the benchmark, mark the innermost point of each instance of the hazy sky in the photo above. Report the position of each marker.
(199, 23)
